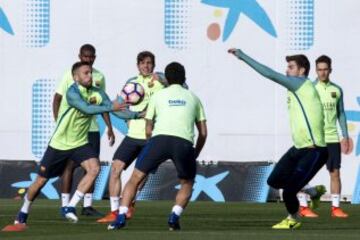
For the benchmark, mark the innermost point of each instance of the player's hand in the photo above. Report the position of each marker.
(119, 106)
(142, 114)
(232, 51)
(347, 145)
(111, 137)
(155, 77)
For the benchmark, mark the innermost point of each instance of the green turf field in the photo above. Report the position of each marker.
(202, 220)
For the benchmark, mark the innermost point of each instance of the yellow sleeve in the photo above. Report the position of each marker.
(200, 114)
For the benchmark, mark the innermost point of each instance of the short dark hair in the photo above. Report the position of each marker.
(301, 60)
(144, 54)
(87, 47)
(175, 73)
(78, 65)
(324, 59)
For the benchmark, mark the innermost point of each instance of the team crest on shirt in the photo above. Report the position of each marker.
(92, 100)
(333, 94)
(151, 84)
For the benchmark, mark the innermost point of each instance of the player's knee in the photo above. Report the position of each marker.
(335, 175)
(136, 179)
(187, 183)
(40, 181)
(94, 171)
(116, 171)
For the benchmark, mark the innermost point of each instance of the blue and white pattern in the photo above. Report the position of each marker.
(356, 194)
(37, 22)
(177, 23)
(301, 24)
(42, 118)
(257, 189)
(101, 182)
(151, 190)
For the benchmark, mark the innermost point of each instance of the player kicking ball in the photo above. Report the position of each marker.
(70, 141)
(302, 161)
(170, 119)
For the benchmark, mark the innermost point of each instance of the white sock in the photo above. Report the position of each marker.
(65, 198)
(177, 210)
(123, 210)
(293, 216)
(335, 200)
(302, 199)
(26, 205)
(88, 198)
(114, 203)
(76, 198)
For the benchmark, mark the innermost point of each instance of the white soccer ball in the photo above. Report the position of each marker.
(132, 93)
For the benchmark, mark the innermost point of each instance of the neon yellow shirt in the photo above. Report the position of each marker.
(98, 81)
(306, 116)
(75, 115)
(175, 110)
(332, 101)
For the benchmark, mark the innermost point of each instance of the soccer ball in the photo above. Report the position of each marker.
(132, 93)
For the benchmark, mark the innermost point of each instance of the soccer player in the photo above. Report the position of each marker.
(135, 139)
(170, 119)
(87, 53)
(331, 96)
(302, 161)
(70, 141)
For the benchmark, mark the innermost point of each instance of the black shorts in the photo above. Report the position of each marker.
(163, 147)
(54, 161)
(334, 160)
(129, 149)
(94, 141)
(297, 167)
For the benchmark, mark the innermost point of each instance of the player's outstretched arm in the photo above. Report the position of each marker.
(201, 139)
(75, 100)
(291, 83)
(126, 114)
